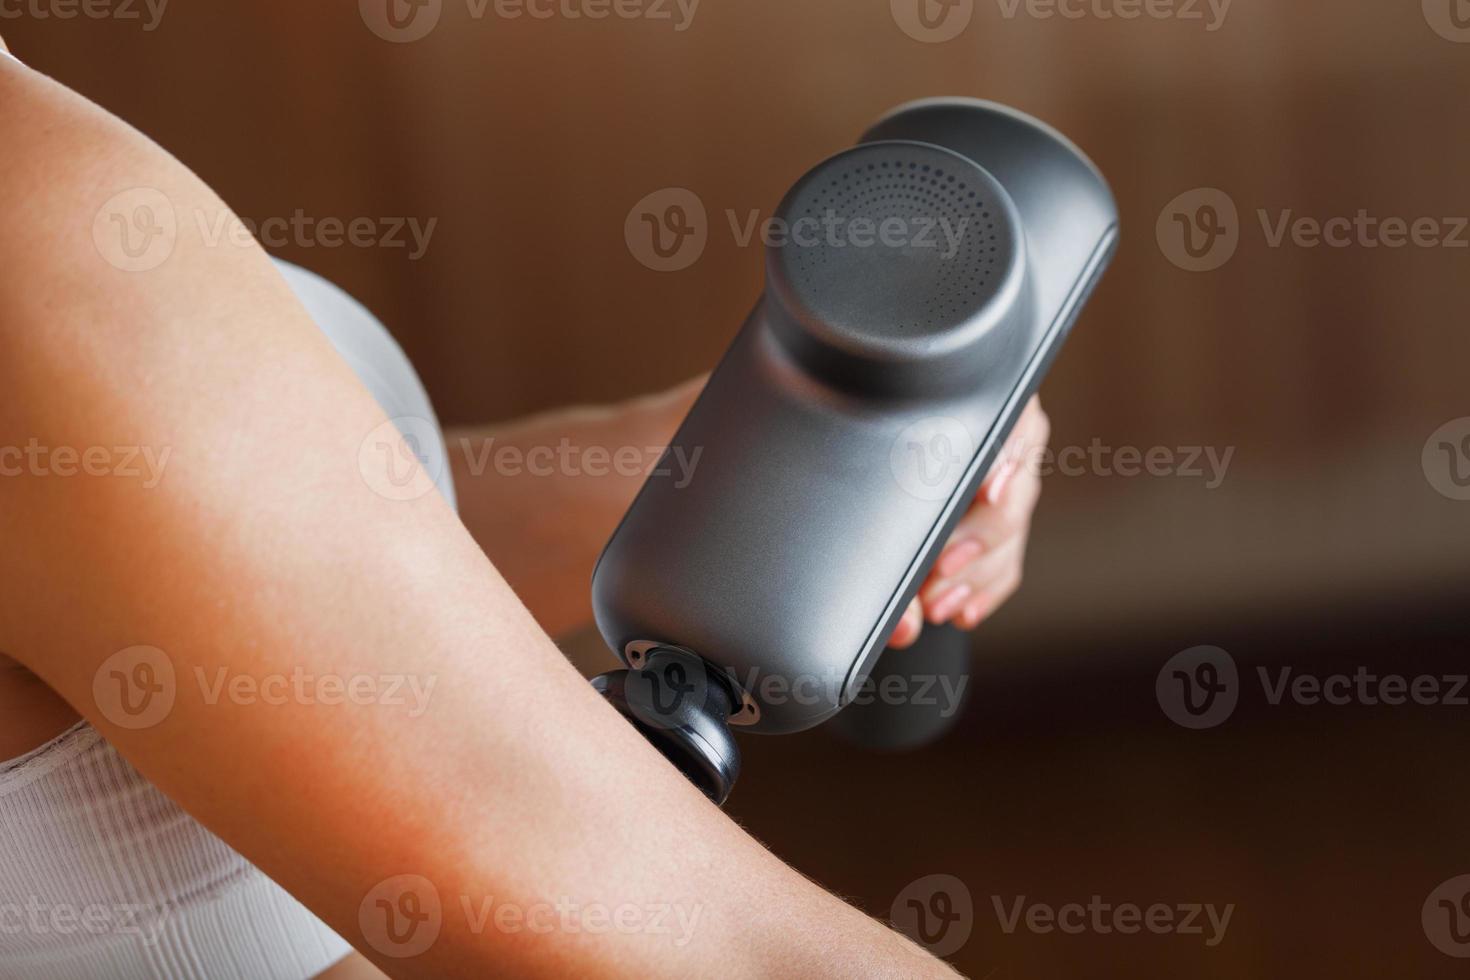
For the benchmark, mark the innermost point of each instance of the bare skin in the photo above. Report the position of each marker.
(264, 551)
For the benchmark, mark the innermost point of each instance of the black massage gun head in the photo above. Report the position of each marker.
(682, 706)
(904, 264)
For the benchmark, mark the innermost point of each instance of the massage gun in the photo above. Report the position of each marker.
(918, 289)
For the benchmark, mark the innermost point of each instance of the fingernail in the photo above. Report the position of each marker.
(958, 555)
(997, 486)
(948, 603)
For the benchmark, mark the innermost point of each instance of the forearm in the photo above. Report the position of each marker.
(263, 553)
(542, 495)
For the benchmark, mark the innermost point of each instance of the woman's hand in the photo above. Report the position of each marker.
(981, 563)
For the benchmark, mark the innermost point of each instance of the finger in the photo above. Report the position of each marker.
(1030, 434)
(944, 598)
(986, 527)
(909, 627)
(979, 608)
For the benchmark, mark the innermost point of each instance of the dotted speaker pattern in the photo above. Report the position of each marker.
(926, 197)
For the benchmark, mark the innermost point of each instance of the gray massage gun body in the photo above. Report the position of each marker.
(860, 407)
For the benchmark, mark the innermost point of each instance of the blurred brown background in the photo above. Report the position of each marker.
(1324, 369)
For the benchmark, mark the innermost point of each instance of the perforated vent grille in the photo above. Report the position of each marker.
(895, 242)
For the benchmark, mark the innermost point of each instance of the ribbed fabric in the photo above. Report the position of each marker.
(102, 877)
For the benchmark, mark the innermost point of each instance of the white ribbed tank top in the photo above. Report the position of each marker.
(102, 877)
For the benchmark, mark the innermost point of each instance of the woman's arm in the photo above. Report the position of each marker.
(337, 683)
